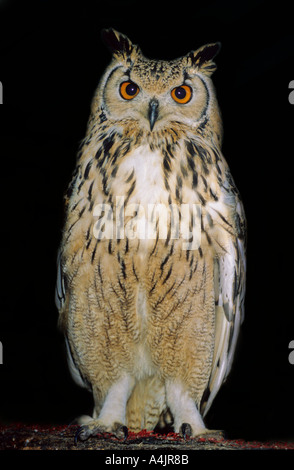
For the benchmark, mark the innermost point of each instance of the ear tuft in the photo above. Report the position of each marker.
(117, 43)
(206, 53)
(203, 57)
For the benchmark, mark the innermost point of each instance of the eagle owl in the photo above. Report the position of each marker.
(151, 267)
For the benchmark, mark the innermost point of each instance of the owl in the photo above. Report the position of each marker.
(151, 267)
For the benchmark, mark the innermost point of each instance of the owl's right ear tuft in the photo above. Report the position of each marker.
(117, 43)
(203, 57)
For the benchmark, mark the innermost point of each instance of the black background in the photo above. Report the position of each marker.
(51, 58)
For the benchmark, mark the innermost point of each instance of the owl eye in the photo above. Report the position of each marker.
(128, 90)
(182, 94)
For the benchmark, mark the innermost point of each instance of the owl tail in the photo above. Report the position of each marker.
(146, 406)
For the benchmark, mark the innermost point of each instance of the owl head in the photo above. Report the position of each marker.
(155, 94)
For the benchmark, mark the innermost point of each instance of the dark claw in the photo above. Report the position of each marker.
(80, 435)
(186, 431)
(126, 432)
(120, 431)
(77, 436)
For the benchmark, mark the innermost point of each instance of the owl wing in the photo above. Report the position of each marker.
(60, 298)
(59, 287)
(229, 275)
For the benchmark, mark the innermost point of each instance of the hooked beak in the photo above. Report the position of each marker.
(153, 112)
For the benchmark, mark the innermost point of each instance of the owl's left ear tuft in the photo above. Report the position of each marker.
(117, 43)
(203, 57)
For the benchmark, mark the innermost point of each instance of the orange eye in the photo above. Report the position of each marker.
(128, 90)
(182, 94)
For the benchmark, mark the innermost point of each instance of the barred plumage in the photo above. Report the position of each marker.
(150, 313)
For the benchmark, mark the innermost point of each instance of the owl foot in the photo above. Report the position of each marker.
(96, 427)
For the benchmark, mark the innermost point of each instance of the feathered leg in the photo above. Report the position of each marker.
(112, 416)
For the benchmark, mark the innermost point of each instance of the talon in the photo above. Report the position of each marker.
(77, 436)
(186, 431)
(81, 435)
(126, 433)
(121, 431)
